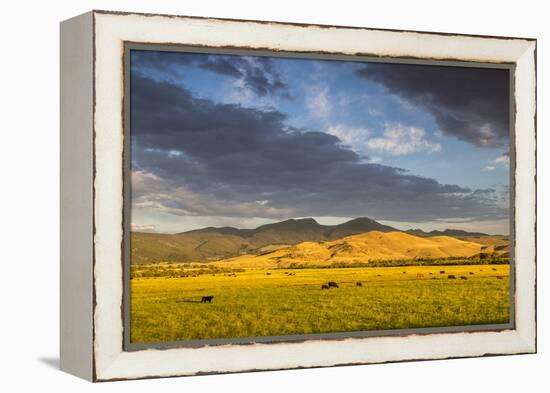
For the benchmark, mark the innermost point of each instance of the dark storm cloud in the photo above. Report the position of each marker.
(257, 73)
(194, 156)
(471, 104)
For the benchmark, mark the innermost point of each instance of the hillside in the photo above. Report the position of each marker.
(374, 245)
(213, 244)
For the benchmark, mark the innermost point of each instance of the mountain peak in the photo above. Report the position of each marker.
(308, 220)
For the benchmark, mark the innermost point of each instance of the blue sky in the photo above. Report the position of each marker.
(439, 133)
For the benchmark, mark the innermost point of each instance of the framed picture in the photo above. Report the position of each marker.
(246, 195)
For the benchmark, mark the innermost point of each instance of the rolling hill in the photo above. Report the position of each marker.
(211, 243)
(373, 245)
(306, 235)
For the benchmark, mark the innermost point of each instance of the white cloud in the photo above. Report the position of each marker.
(154, 193)
(501, 161)
(150, 228)
(350, 136)
(399, 139)
(375, 160)
(487, 135)
(319, 104)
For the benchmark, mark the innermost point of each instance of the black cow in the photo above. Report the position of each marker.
(207, 299)
(332, 284)
(359, 284)
(324, 286)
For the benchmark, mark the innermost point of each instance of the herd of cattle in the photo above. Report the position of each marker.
(334, 284)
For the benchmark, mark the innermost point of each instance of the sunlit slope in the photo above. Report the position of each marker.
(364, 247)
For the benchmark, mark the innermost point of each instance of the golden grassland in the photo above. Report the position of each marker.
(368, 246)
(269, 301)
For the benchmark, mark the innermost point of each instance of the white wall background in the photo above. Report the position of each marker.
(29, 195)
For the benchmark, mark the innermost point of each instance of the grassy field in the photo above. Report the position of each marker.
(266, 302)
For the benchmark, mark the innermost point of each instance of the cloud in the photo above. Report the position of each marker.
(471, 104)
(502, 161)
(399, 139)
(318, 102)
(150, 228)
(254, 73)
(234, 161)
(350, 136)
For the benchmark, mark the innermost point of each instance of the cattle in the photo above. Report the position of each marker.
(332, 284)
(494, 269)
(463, 277)
(419, 275)
(324, 286)
(359, 284)
(471, 273)
(269, 274)
(207, 299)
(499, 277)
(451, 277)
(442, 272)
(378, 275)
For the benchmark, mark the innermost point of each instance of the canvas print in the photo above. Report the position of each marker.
(286, 196)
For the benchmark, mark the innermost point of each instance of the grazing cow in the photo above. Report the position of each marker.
(404, 272)
(442, 272)
(431, 274)
(494, 269)
(324, 286)
(463, 277)
(207, 299)
(359, 284)
(499, 277)
(471, 273)
(451, 277)
(332, 284)
(269, 274)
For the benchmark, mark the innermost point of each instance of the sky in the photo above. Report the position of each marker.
(242, 141)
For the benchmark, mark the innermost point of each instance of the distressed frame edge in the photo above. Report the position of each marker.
(528, 340)
(76, 196)
(305, 25)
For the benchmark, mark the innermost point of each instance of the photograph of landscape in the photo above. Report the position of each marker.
(278, 196)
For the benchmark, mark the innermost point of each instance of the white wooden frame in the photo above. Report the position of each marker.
(92, 194)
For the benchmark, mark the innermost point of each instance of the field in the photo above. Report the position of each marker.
(267, 302)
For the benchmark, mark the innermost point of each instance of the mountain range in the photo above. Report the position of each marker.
(363, 247)
(213, 244)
